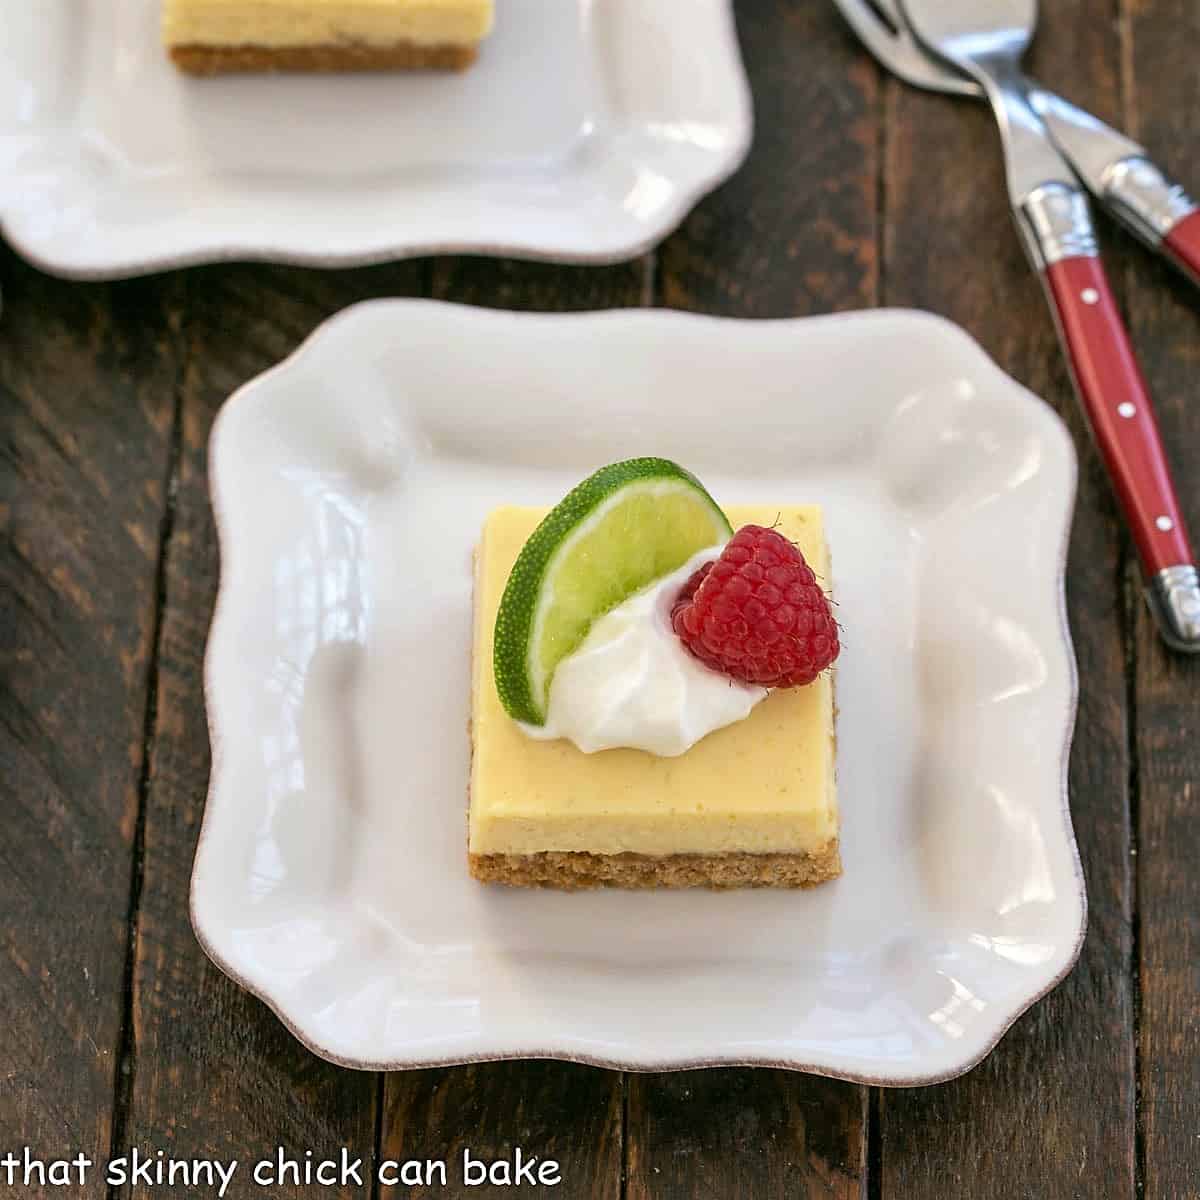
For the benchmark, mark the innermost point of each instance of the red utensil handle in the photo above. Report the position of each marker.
(1118, 408)
(1182, 244)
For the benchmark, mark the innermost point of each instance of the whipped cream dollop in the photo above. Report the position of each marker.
(633, 683)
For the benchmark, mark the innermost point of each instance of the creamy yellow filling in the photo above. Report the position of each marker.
(765, 784)
(278, 23)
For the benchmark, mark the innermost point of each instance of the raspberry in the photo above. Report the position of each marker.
(757, 613)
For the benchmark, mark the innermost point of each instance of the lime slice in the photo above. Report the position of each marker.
(617, 532)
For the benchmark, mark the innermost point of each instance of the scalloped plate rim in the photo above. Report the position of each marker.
(249, 393)
(739, 117)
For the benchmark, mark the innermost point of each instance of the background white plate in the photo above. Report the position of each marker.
(350, 484)
(585, 131)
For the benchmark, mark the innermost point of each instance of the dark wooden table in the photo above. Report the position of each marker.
(116, 1031)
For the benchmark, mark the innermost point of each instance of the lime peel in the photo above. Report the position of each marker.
(617, 532)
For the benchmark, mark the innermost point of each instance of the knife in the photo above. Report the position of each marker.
(1122, 177)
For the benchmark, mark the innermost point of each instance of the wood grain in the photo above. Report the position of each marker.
(87, 383)
(541, 287)
(732, 1132)
(793, 233)
(87, 393)
(556, 1111)
(1163, 97)
(213, 1072)
(1026, 1122)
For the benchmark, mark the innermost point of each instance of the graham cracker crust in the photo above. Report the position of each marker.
(574, 869)
(349, 56)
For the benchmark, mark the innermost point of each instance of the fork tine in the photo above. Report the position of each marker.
(890, 11)
(898, 50)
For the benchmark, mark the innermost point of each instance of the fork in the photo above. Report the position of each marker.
(1115, 169)
(984, 40)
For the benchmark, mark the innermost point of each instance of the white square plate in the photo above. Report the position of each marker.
(350, 484)
(585, 132)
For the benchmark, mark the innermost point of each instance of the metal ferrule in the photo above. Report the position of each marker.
(1055, 224)
(1144, 200)
(1174, 598)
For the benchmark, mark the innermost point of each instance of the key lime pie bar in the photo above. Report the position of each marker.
(652, 704)
(209, 37)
